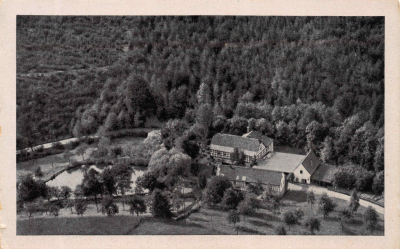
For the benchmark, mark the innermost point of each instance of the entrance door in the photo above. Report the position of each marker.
(303, 181)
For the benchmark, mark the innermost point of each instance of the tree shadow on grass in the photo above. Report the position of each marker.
(332, 218)
(199, 219)
(270, 217)
(355, 222)
(347, 231)
(261, 223)
(249, 230)
(181, 223)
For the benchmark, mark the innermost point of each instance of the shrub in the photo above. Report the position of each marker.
(40, 148)
(160, 205)
(364, 180)
(80, 207)
(299, 214)
(354, 201)
(202, 180)
(378, 185)
(72, 145)
(58, 146)
(371, 218)
(231, 199)
(137, 205)
(344, 178)
(108, 206)
(31, 208)
(54, 210)
(216, 189)
(326, 205)
(280, 230)
(313, 224)
(289, 218)
(233, 217)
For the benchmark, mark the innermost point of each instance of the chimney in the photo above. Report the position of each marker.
(248, 129)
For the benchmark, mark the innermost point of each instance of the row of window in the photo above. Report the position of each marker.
(243, 184)
(220, 154)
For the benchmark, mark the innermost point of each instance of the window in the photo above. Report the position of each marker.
(301, 172)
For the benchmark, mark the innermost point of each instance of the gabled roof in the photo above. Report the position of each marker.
(281, 162)
(225, 142)
(251, 175)
(324, 173)
(311, 162)
(258, 135)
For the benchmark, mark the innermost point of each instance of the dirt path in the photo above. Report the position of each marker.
(64, 142)
(320, 190)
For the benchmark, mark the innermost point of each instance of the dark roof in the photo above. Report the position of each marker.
(324, 173)
(311, 162)
(258, 135)
(232, 141)
(251, 175)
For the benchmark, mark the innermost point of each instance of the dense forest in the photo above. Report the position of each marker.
(308, 82)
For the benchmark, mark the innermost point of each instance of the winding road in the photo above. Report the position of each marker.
(321, 190)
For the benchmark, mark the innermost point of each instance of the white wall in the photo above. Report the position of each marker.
(301, 176)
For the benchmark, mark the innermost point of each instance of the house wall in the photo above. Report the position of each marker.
(301, 175)
(225, 156)
(242, 185)
(284, 185)
(270, 147)
(262, 150)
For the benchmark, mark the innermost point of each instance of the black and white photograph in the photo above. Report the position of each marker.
(200, 125)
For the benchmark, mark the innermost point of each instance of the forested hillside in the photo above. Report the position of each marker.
(314, 82)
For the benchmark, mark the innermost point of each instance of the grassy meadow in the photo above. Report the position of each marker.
(207, 221)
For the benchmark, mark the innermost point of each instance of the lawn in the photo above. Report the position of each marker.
(127, 141)
(211, 221)
(207, 221)
(116, 225)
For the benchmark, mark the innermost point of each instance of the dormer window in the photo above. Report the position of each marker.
(301, 172)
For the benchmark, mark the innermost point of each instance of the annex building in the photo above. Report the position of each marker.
(272, 168)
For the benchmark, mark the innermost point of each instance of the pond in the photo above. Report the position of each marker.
(73, 177)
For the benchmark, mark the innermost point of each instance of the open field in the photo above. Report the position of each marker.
(208, 220)
(127, 141)
(116, 225)
(213, 221)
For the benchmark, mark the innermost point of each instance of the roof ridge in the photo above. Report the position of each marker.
(238, 136)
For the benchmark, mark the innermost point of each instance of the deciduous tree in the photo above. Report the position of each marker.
(326, 205)
(137, 205)
(371, 218)
(233, 217)
(80, 207)
(313, 224)
(160, 206)
(108, 206)
(216, 189)
(290, 219)
(354, 201)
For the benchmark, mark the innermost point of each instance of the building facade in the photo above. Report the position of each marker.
(254, 145)
(242, 177)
